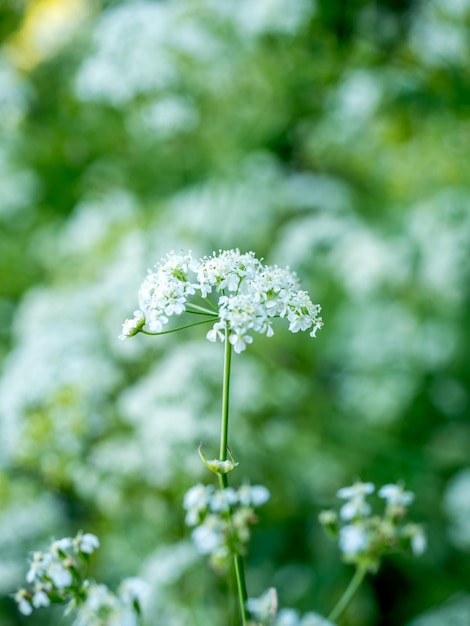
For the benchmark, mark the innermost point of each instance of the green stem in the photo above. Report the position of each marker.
(212, 305)
(174, 330)
(223, 480)
(348, 594)
(201, 309)
(225, 398)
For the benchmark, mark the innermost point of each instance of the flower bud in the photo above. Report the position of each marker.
(216, 466)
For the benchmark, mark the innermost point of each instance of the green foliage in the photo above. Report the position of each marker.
(332, 141)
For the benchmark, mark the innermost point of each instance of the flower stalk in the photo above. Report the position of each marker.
(348, 594)
(223, 479)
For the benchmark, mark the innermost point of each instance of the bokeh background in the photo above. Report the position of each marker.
(329, 136)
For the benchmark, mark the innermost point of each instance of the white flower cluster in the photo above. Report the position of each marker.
(263, 611)
(249, 295)
(55, 576)
(118, 609)
(222, 518)
(365, 538)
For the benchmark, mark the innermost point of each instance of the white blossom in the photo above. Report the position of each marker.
(132, 327)
(264, 607)
(40, 598)
(86, 543)
(132, 589)
(395, 495)
(196, 501)
(60, 576)
(352, 539)
(38, 566)
(248, 295)
(208, 537)
(61, 545)
(223, 499)
(24, 606)
(253, 495)
(164, 293)
(356, 505)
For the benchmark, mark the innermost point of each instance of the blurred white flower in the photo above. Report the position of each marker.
(356, 495)
(24, 606)
(264, 607)
(253, 495)
(395, 495)
(86, 543)
(208, 537)
(223, 499)
(353, 539)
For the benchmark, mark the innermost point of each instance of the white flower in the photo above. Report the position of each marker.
(208, 537)
(250, 294)
(352, 539)
(132, 589)
(418, 543)
(287, 617)
(38, 566)
(40, 598)
(133, 326)
(255, 495)
(99, 596)
(226, 270)
(264, 607)
(164, 293)
(395, 495)
(223, 499)
(61, 545)
(196, 501)
(359, 489)
(356, 505)
(24, 606)
(60, 576)
(86, 543)
(417, 538)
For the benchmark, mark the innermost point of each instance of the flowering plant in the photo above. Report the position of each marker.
(249, 295)
(58, 576)
(238, 295)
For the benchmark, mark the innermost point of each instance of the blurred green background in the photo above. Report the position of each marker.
(329, 136)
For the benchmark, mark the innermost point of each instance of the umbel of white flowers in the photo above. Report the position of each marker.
(244, 296)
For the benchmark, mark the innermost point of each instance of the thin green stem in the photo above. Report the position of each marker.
(174, 330)
(348, 594)
(225, 398)
(223, 480)
(201, 309)
(212, 305)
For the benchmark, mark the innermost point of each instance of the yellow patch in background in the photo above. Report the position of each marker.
(47, 26)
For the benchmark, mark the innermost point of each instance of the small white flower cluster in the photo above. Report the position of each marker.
(365, 538)
(55, 576)
(221, 519)
(119, 609)
(263, 612)
(249, 295)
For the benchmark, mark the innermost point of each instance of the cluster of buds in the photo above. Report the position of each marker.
(57, 576)
(246, 296)
(221, 519)
(264, 612)
(365, 537)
